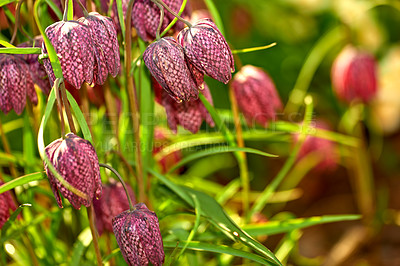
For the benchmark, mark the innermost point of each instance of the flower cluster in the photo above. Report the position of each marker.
(88, 49)
(180, 66)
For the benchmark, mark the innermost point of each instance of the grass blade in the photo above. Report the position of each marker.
(22, 180)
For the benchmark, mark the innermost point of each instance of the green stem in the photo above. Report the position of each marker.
(17, 20)
(170, 25)
(67, 108)
(132, 100)
(122, 182)
(65, 15)
(90, 213)
(310, 66)
(59, 107)
(253, 49)
(172, 12)
(85, 12)
(270, 189)
(161, 20)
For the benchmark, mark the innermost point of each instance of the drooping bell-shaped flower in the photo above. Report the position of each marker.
(6, 204)
(106, 48)
(354, 75)
(166, 61)
(113, 201)
(74, 46)
(256, 95)
(146, 17)
(138, 236)
(15, 84)
(76, 161)
(323, 149)
(36, 69)
(207, 49)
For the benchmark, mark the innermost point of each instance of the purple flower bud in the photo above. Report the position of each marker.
(354, 75)
(323, 148)
(15, 84)
(189, 115)
(207, 50)
(113, 201)
(138, 236)
(6, 204)
(76, 161)
(106, 48)
(146, 17)
(73, 44)
(256, 95)
(36, 69)
(166, 61)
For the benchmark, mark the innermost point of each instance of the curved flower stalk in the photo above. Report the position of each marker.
(138, 236)
(256, 95)
(76, 160)
(16, 84)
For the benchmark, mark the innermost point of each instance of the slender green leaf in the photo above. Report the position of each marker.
(211, 210)
(55, 8)
(79, 117)
(70, 15)
(216, 150)
(6, 44)
(121, 18)
(22, 180)
(10, 50)
(253, 49)
(278, 227)
(83, 241)
(5, 2)
(206, 247)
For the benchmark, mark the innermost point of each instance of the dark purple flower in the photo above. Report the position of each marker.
(166, 61)
(354, 75)
(15, 84)
(76, 161)
(113, 201)
(6, 204)
(73, 44)
(256, 95)
(36, 69)
(106, 48)
(138, 236)
(146, 17)
(207, 50)
(323, 148)
(189, 115)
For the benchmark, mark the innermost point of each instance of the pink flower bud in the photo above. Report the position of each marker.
(354, 75)
(256, 95)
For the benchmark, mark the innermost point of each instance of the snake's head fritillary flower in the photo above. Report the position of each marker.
(73, 44)
(256, 95)
(113, 201)
(354, 75)
(166, 61)
(76, 161)
(16, 84)
(207, 49)
(146, 17)
(6, 204)
(138, 236)
(36, 69)
(189, 115)
(106, 48)
(322, 148)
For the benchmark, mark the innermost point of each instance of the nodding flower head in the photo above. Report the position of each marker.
(138, 236)
(354, 75)
(113, 201)
(6, 204)
(76, 161)
(16, 84)
(105, 44)
(166, 61)
(207, 49)
(73, 44)
(256, 95)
